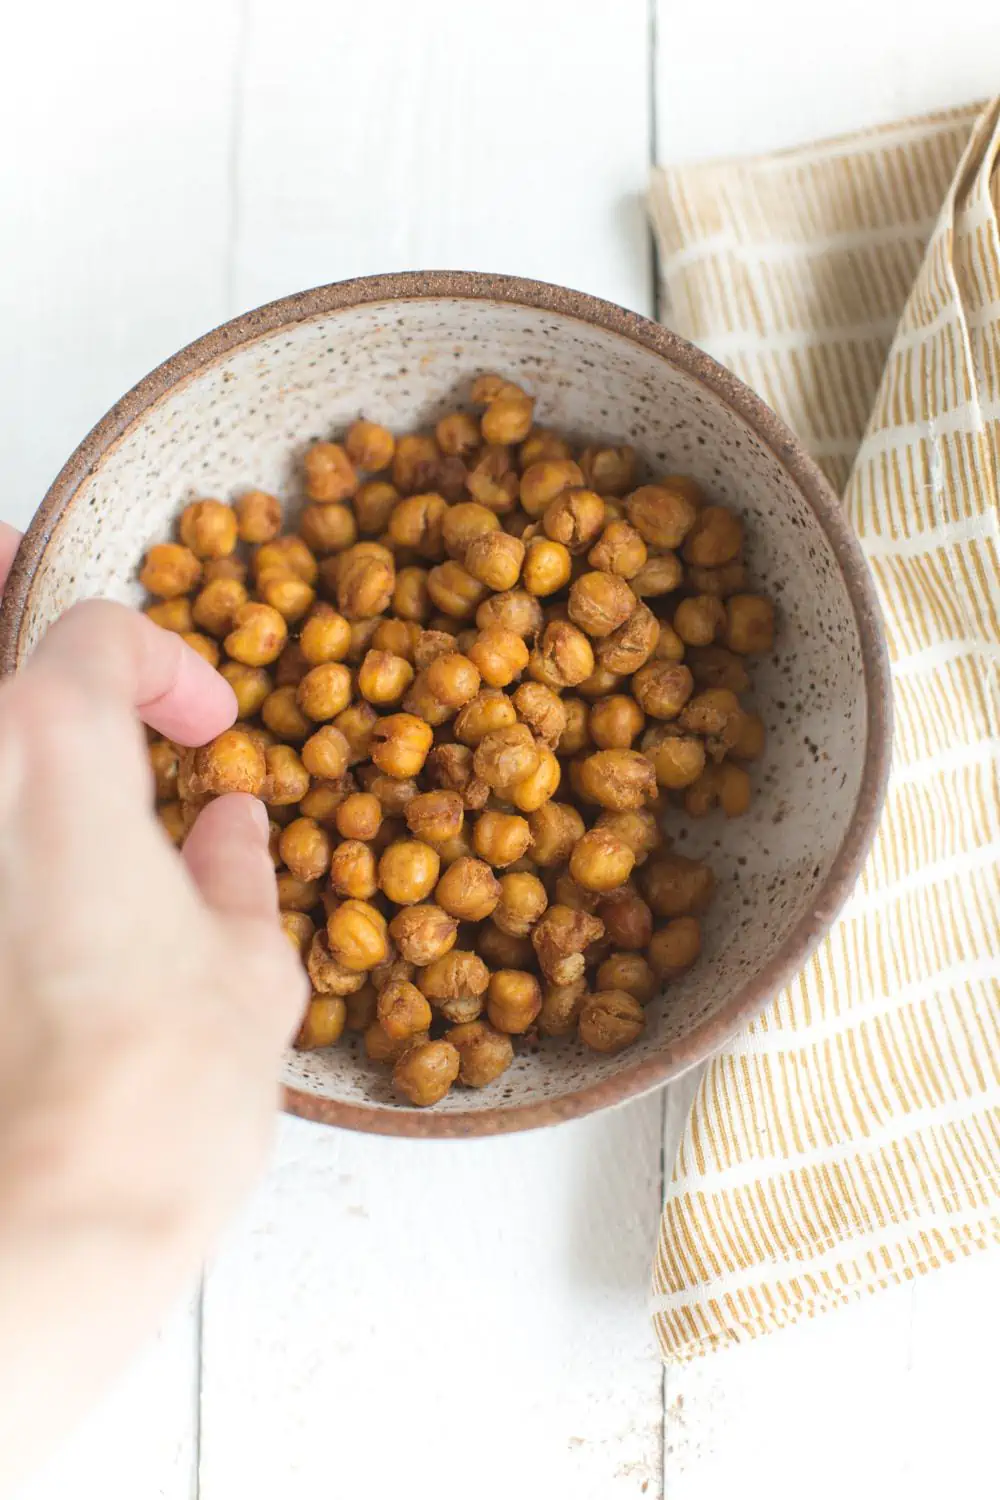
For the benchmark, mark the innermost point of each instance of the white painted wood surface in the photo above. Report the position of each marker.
(463, 1319)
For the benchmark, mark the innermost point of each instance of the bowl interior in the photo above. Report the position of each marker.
(245, 420)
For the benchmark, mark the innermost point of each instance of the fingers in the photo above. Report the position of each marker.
(118, 653)
(9, 542)
(227, 855)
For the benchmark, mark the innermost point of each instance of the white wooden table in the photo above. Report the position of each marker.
(402, 1318)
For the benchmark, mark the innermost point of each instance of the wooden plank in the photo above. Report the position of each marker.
(114, 253)
(465, 1317)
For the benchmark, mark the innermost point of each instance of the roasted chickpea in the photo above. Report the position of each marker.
(415, 463)
(455, 984)
(678, 759)
(408, 871)
(724, 786)
(576, 736)
(454, 591)
(410, 600)
(544, 481)
(209, 528)
(611, 1020)
(258, 635)
(435, 817)
(324, 692)
(560, 939)
(169, 569)
(749, 743)
(352, 870)
(500, 838)
(232, 762)
(547, 567)
(628, 921)
(629, 972)
(499, 656)
(425, 1071)
(283, 717)
(659, 575)
(402, 1010)
(699, 620)
(715, 538)
(542, 443)
(423, 933)
(500, 950)
(575, 519)
(661, 515)
(522, 903)
(715, 667)
(286, 554)
(298, 928)
(491, 481)
(608, 470)
(295, 894)
(172, 614)
(675, 947)
(618, 779)
(662, 688)
(600, 861)
(286, 592)
(487, 713)
(217, 605)
(366, 577)
(515, 610)
(508, 418)
(451, 680)
(325, 636)
(357, 935)
(305, 848)
(749, 624)
(373, 506)
(326, 753)
(329, 473)
(382, 1048)
(400, 744)
(629, 647)
(258, 517)
(324, 799)
(469, 890)
(395, 794)
(636, 827)
(563, 656)
(615, 722)
(675, 886)
(619, 550)
(457, 434)
(505, 757)
(358, 816)
(535, 789)
(356, 724)
(484, 1052)
(555, 829)
(384, 677)
(225, 567)
(731, 578)
(322, 1024)
(415, 524)
(328, 530)
(287, 779)
(514, 1000)
(369, 445)
(716, 714)
(542, 710)
(494, 559)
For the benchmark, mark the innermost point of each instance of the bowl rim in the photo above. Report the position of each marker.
(746, 1002)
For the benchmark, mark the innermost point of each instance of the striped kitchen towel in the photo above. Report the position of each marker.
(850, 1138)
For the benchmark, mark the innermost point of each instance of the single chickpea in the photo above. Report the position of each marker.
(169, 569)
(291, 666)
(457, 434)
(326, 753)
(500, 950)
(488, 712)
(465, 523)
(506, 756)
(600, 684)
(576, 736)
(698, 621)
(451, 679)
(609, 471)
(513, 1001)
(542, 443)
(295, 894)
(329, 473)
(325, 636)
(415, 463)
(716, 715)
(455, 984)
(499, 656)
(454, 591)
(362, 635)
(575, 519)
(410, 599)
(714, 539)
(359, 816)
(322, 1024)
(415, 524)
(616, 722)
(547, 567)
(715, 667)
(522, 903)
(675, 886)
(352, 870)
(500, 838)
(662, 688)
(468, 890)
(678, 759)
(258, 636)
(366, 577)
(288, 553)
(402, 1010)
(628, 648)
(662, 516)
(560, 939)
(373, 506)
(425, 1071)
(287, 779)
(599, 603)
(286, 592)
(491, 481)
(298, 928)
(675, 947)
(515, 609)
(258, 517)
(726, 786)
(636, 827)
(324, 692)
(216, 606)
(225, 567)
(450, 767)
(408, 871)
(660, 575)
(203, 645)
(628, 921)
(232, 762)
(619, 550)
(324, 799)
(611, 1020)
(535, 789)
(209, 528)
(561, 1006)
(283, 717)
(395, 793)
(435, 817)
(544, 481)
(487, 387)
(495, 559)
(542, 710)
(507, 419)
(563, 656)
(618, 779)
(328, 530)
(423, 933)
(600, 861)
(384, 677)
(555, 830)
(749, 624)
(484, 1053)
(357, 935)
(669, 646)
(629, 972)
(730, 578)
(369, 445)
(381, 1048)
(305, 848)
(356, 724)
(400, 744)
(172, 614)
(749, 744)
(361, 1006)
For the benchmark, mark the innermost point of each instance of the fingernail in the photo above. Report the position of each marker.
(260, 817)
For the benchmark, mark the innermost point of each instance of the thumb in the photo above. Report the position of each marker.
(227, 855)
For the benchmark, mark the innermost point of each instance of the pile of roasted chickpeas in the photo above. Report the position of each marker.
(474, 687)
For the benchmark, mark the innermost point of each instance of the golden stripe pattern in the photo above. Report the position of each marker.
(850, 1138)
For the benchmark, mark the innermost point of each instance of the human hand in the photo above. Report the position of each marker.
(145, 999)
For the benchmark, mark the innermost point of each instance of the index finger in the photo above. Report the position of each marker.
(117, 653)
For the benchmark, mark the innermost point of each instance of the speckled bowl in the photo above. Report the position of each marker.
(238, 408)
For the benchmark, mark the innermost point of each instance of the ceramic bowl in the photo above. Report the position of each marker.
(237, 410)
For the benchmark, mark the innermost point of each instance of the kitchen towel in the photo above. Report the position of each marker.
(849, 1139)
